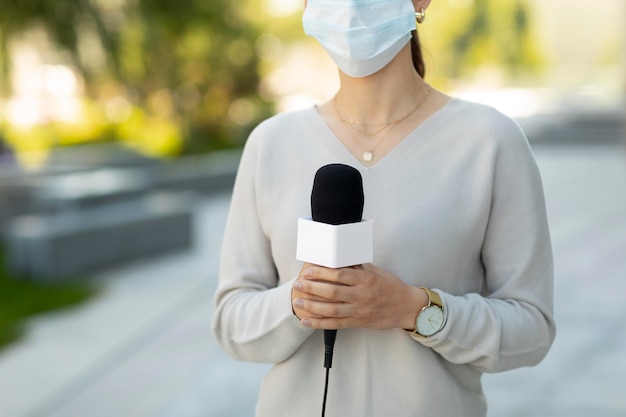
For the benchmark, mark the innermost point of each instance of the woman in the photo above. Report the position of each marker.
(459, 225)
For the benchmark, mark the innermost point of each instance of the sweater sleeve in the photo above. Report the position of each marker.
(510, 324)
(253, 318)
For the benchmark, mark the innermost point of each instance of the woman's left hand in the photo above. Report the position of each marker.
(363, 296)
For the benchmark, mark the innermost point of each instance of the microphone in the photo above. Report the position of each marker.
(335, 236)
(337, 195)
(337, 198)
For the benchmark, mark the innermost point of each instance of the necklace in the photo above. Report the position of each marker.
(368, 154)
(392, 122)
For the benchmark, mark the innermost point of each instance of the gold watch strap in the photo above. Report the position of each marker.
(433, 297)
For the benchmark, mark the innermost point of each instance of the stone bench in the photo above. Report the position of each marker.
(72, 243)
(92, 188)
(204, 174)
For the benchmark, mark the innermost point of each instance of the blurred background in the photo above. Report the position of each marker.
(121, 126)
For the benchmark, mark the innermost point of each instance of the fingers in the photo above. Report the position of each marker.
(317, 304)
(322, 309)
(327, 323)
(345, 276)
(327, 298)
(320, 290)
(297, 295)
(323, 315)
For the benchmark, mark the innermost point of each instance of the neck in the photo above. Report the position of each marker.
(384, 95)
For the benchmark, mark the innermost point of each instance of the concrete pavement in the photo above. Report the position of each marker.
(583, 375)
(144, 346)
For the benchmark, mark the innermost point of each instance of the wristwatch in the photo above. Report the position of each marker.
(430, 319)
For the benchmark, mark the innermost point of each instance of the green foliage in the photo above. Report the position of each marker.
(20, 299)
(171, 78)
(182, 64)
(466, 35)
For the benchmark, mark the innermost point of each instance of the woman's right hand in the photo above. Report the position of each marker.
(296, 294)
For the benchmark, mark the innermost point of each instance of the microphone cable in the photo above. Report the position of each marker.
(329, 345)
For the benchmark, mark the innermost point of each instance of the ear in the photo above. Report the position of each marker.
(419, 4)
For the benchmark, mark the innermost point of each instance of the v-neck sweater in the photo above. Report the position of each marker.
(457, 206)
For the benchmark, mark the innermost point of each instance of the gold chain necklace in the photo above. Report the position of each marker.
(392, 122)
(368, 155)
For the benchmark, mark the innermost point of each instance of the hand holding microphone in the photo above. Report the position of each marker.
(335, 293)
(363, 296)
(337, 287)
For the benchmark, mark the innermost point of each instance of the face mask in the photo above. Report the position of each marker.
(361, 36)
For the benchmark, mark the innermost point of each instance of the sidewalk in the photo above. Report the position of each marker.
(583, 375)
(144, 346)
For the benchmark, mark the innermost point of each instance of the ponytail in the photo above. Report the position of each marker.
(416, 54)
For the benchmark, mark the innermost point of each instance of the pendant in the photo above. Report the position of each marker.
(368, 156)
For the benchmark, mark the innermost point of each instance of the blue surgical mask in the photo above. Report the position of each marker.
(361, 36)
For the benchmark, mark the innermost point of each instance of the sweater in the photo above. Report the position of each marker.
(457, 207)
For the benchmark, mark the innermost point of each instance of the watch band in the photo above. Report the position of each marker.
(433, 299)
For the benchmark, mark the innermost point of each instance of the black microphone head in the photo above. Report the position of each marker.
(337, 196)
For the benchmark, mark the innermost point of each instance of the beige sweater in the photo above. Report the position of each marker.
(457, 206)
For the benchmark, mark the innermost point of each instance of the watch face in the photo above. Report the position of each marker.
(429, 321)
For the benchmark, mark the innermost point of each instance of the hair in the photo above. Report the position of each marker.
(416, 54)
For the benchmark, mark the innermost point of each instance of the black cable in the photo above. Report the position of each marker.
(329, 344)
(325, 392)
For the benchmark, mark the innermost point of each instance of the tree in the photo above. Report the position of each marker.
(188, 68)
(470, 34)
(184, 77)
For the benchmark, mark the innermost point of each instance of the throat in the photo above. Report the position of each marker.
(366, 137)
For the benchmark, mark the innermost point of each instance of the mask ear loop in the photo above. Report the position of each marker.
(420, 16)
